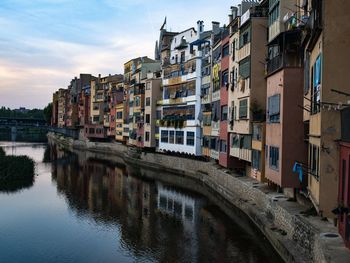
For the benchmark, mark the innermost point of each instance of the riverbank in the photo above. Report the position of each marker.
(295, 237)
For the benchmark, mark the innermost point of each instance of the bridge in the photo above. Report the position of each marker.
(9, 122)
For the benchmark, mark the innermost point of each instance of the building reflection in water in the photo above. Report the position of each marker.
(155, 222)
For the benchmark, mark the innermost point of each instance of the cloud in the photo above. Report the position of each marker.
(45, 43)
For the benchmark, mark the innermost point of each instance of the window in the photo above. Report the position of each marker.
(244, 68)
(213, 144)
(148, 118)
(158, 114)
(274, 108)
(257, 132)
(205, 142)
(256, 159)
(224, 113)
(223, 146)
(243, 109)
(182, 57)
(274, 12)
(147, 136)
(179, 137)
(164, 136)
(148, 85)
(225, 50)
(244, 37)
(224, 78)
(274, 157)
(172, 137)
(119, 115)
(234, 50)
(148, 101)
(137, 101)
(190, 138)
(316, 86)
(314, 159)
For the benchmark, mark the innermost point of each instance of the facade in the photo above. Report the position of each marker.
(344, 179)
(284, 98)
(153, 94)
(62, 108)
(325, 46)
(54, 117)
(100, 103)
(248, 104)
(135, 82)
(180, 125)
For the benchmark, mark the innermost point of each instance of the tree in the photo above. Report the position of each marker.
(48, 113)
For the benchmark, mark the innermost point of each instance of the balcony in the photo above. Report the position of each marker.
(290, 43)
(242, 154)
(243, 52)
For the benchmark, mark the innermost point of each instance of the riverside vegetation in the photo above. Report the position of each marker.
(16, 172)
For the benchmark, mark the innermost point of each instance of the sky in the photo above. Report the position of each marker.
(46, 43)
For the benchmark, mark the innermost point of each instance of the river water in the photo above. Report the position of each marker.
(84, 209)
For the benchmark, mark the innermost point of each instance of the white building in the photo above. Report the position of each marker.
(181, 103)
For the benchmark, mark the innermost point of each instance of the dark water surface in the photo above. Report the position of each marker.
(83, 209)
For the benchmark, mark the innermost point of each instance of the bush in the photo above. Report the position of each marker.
(16, 172)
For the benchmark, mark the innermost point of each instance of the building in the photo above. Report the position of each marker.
(100, 106)
(181, 104)
(344, 180)
(134, 82)
(153, 94)
(62, 107)
(54, 117)
(74, 90)
(248, 98)
(285, 137)
(326, 63)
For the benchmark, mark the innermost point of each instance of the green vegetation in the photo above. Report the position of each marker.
(28, 114)
(16, 172)
(48, 113)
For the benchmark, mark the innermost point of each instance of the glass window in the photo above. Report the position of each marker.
(274, 108)
(148, 118)
(274, 158)
(190, 138)
(148, 101)
(164, 136)
(224, 113)
(225, 50)
(147, 136)
(223, 146)
(224, 78)
(243, 109)
(179, 137)
(316, 86)
(172, 137)
(244, 68)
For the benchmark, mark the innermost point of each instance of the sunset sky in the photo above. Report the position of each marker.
(45, 43)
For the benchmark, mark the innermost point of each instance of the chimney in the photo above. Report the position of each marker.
(216, 27)
(200, 27)
(234, 11)
(239, 10)
(230, 18)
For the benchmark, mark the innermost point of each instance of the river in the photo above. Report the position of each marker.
(84, 209)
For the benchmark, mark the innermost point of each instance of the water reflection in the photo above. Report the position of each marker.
(157, 222)
(23, 135)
